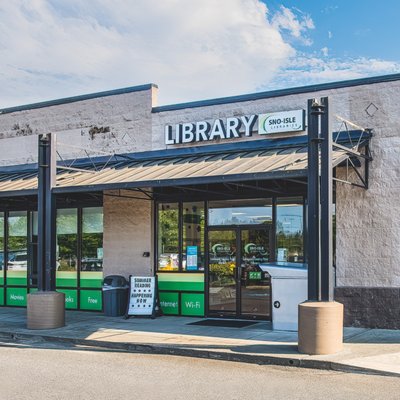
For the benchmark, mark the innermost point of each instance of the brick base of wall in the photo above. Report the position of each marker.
(370, 307)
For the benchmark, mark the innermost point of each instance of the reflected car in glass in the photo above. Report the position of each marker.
(17, 261)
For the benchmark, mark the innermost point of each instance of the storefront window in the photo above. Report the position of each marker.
(67, 247)
(289, 230)
(79, 256)
(168, 237)
(240, 212)
(193, 237)
(1, 249)
(92, 247)
(17, 248)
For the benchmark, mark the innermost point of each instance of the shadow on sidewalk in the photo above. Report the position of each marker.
(83, 325)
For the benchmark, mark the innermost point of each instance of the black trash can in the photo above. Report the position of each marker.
(115, 295)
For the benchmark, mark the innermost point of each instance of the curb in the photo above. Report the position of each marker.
(196, 353)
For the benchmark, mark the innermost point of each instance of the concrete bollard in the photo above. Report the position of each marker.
(46, 310)
(320, 327)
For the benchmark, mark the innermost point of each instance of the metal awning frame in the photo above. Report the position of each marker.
(359, 149)
(184, 181)
(359, 154)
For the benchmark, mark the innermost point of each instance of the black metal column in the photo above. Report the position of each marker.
(320, 319)
(320, 200)
(46, 213)
(313, 215)
(326, 204)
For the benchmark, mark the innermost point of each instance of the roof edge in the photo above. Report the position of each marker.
(278, 93)
(73, 99)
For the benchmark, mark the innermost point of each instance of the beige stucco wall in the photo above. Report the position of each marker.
(102, 125)
(127, 234)
(368, 222)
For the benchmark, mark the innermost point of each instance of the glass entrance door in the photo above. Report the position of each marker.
(254, 283)
(237, 286)
(222, 272)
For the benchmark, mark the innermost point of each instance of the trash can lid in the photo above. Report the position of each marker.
(115, 281)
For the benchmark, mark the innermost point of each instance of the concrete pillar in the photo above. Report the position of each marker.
(320, 327)
(46, 310)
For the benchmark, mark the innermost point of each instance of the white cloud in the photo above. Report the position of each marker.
(307, 70)
(329, 9)
(330, 35)
(325, 51)
(296, 25)
(192, 49)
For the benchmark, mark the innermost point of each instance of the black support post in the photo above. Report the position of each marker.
(313, 202)
(326, 205)
(320, 318)
(46, 214)
(46, 307)
(320, 198)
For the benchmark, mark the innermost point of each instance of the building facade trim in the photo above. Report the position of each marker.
(73, 99)
(278, 93)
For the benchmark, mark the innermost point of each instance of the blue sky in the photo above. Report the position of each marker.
(193, 49)
(357, 27)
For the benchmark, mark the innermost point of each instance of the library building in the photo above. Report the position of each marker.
(210, 196)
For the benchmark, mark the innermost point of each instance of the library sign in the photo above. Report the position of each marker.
(235, 127)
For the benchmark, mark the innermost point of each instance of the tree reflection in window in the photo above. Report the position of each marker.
(18, 240)
(168, 237)
(67, 239)
(92, 239)
(289, 230)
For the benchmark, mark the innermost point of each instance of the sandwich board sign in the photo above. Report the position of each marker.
(143, 299)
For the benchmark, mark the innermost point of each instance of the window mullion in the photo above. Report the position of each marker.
(79, 250)
(180, 235)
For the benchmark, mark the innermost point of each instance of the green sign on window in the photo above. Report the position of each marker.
(16, 297)
(169, 303)
(91, 300)
(66, 278)
(92, 279)
(17, 278)
(71, 298)
(192, 304)
(254, 275)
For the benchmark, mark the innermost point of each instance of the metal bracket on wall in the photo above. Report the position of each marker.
(359, 155)
(356, 166)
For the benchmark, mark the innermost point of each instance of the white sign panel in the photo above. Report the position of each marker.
(142, 295)
(235, 127)
(286, 121)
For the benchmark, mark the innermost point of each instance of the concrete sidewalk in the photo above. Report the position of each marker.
(365, 350)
